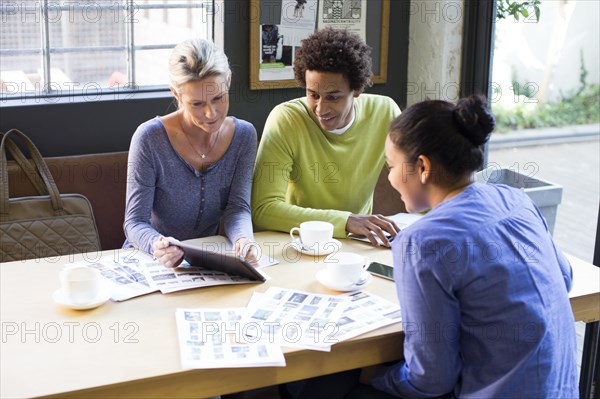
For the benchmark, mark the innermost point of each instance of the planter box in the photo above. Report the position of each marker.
(544, 194)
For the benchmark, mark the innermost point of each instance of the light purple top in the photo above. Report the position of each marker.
(167, 196)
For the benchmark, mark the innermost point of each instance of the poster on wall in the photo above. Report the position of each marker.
(344, 14)
(280, 39)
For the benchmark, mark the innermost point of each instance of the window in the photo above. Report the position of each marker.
(52, 48)
(546, 104)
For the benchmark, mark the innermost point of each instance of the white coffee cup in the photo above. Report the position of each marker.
(313, 232)
(80, 285)
(345, 268)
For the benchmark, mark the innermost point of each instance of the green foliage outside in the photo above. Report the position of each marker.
(505, 8)
(581, 106)
(572, 110)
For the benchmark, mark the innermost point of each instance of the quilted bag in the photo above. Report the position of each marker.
(48, 225)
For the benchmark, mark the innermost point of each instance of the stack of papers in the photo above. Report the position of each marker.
(213, 338)
(295, 319)
(367, 312)
(253, 336)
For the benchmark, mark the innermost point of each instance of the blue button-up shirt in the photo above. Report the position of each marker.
(483, 291)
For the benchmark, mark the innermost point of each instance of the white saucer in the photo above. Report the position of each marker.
(323, 278)
(324, 249)
(101, 298)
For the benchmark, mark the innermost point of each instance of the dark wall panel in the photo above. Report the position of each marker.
(81, 127)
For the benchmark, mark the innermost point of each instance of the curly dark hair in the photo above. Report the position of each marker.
(338, 51)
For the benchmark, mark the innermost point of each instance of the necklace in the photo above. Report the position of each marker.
(202, 155)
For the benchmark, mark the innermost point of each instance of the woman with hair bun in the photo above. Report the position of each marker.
(482, 286)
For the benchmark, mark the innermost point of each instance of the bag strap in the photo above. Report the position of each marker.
(25, 166)
(42, 170)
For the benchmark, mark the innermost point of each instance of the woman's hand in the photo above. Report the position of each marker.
(247, 250)
(371, 226)
(167, 254)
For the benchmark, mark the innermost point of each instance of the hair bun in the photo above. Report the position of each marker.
(474, 119)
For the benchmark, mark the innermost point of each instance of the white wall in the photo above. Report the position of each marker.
(434, 50)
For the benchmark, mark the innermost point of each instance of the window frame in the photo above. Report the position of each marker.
(49, 96)
(477, 54)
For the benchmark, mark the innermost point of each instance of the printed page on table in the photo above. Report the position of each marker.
(294, 318)
(122, 273)
(214, 338)
(186, 277)
(367, 312)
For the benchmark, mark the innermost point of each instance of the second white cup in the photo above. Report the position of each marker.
(313, 232)
(345, 268)
(80, 285)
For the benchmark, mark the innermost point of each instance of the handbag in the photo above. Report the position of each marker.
(48, 225)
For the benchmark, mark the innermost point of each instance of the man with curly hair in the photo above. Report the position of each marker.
(320, 156)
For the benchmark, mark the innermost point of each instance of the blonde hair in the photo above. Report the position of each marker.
(194, 60)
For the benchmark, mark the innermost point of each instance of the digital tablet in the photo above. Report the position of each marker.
(221, 262)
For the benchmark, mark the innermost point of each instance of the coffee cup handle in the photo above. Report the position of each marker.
(62, 274)
(292, 233)
(367, 263)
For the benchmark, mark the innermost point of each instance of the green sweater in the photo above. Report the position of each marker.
(303, 172)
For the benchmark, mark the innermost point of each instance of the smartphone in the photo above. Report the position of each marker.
(381, 270)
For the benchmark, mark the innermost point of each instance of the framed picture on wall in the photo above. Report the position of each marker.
(277, 28)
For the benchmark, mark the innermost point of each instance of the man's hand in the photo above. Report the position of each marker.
(370, 225)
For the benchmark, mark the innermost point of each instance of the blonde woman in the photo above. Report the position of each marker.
(192, 167)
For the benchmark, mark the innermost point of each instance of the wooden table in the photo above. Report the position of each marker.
(585, 294)
(130, 349)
